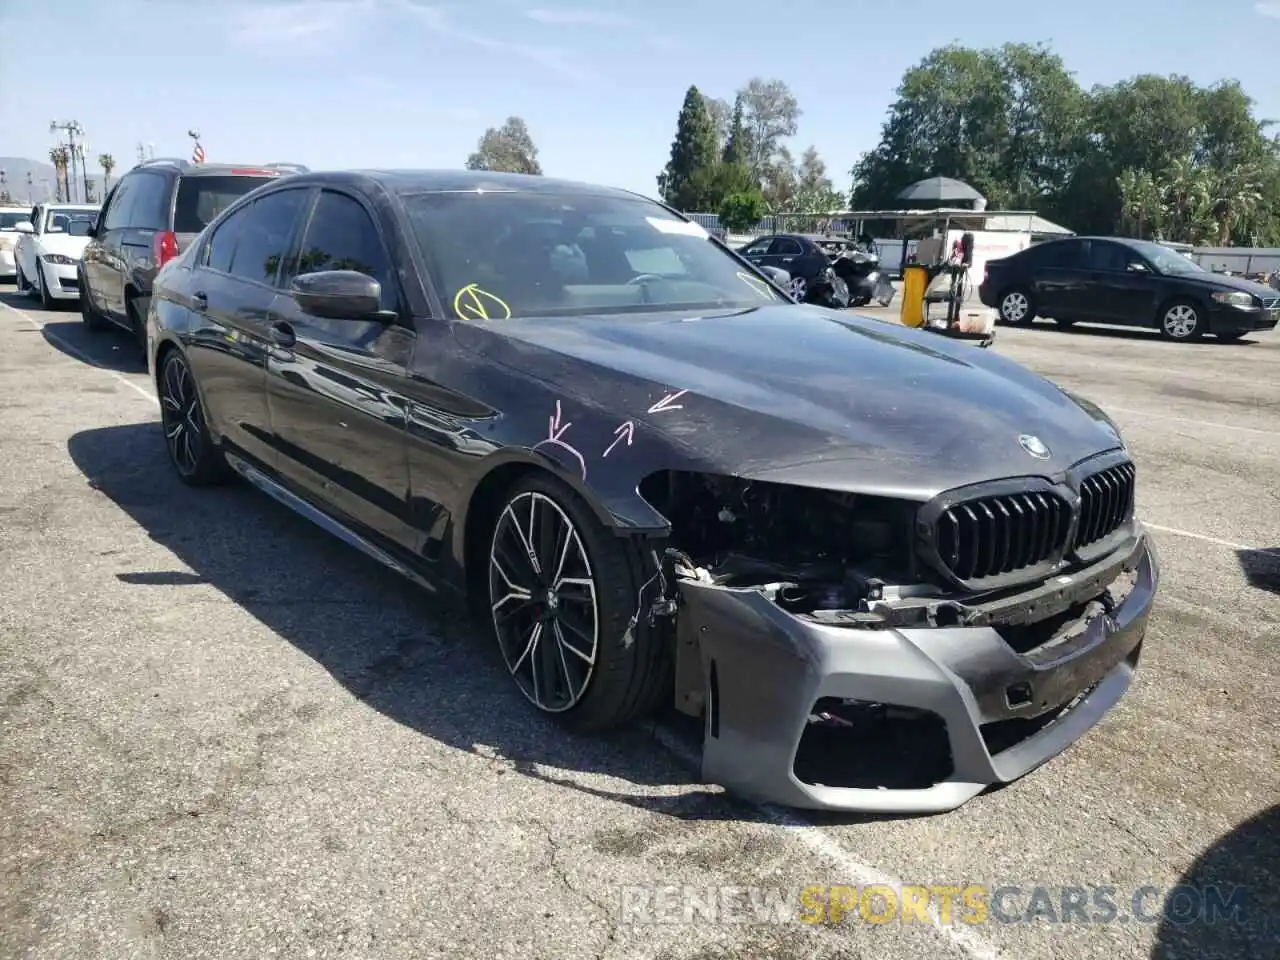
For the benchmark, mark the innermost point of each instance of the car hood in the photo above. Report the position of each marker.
(802, 394)
(1230, 283)
(62, 243)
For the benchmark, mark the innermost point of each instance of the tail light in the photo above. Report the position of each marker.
(164, 248)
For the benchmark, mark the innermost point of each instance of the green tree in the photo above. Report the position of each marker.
(720, 113)
(508, 149)
(739, 212)
(771, 113)
(736, 148)
(688, 181)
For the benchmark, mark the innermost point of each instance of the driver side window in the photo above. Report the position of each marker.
(759, 248)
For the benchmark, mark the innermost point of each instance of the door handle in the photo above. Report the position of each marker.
(282, 334)
(200, 299)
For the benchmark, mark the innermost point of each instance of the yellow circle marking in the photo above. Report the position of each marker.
(756, 284)
(473, 303)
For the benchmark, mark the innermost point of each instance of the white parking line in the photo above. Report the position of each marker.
(1242, 548)
(81, 356)
(849, 867)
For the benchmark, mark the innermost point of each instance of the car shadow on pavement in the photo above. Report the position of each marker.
(1227, 904)
(1128, 333)
(111, 349)
(415, 659)
(1261, 568)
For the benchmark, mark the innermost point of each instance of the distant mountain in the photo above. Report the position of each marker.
(15, 179)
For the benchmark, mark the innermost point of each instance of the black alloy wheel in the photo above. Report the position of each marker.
(569, 603)
(190, 448)
(543, 597)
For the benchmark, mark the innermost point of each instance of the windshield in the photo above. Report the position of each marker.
(75, 221)
(1167, 260)
(499, 255)
(10, 220)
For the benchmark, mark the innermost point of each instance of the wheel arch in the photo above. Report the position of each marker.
(623, 513)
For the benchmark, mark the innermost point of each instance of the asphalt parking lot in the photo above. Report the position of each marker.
(225, 734)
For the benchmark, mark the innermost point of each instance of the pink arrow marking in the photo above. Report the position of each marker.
(669, 402)
(626, 431)
(554, 429)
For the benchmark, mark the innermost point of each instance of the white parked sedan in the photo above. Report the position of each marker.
(10, 217)
(49, 248)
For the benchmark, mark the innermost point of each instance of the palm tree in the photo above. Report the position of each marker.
(1142, 206)
(60, 157)
(108, 163)
(1237, 194)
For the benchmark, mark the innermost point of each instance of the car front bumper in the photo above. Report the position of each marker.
(61, 279)
(766, 671)
(1228, 319)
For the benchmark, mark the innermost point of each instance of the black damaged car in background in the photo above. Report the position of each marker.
(1115, 280)
(661, 483)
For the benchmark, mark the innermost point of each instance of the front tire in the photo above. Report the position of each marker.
(1017, 308)
(46, 302)
(1181, 321)
(569, 604)
(194, 456)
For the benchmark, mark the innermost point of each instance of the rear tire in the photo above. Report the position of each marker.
(1017, 308)
(89, 316)
(138, 324)
(572, 624)
(196, 459)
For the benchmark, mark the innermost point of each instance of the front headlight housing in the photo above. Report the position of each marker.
(1233, 298)
(59, 259)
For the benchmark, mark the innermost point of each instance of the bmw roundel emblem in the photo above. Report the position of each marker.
(1034, 446)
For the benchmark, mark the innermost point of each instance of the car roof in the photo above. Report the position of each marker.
(409, 182)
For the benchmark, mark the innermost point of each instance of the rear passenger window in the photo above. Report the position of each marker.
(264, 235)
(786, 247)
(150, 206)
(341, 236)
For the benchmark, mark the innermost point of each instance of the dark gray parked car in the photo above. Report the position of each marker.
(149, 217)
(884, 568)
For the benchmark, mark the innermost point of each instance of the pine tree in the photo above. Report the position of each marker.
(686, 183)
(736, 150)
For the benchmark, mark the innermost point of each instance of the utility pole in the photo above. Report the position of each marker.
(31, 189)
(84, 167)
(71, 127)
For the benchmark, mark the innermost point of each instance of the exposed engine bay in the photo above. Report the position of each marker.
(840, 558)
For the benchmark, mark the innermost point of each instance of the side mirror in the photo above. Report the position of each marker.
(338, 295)
(24, 226)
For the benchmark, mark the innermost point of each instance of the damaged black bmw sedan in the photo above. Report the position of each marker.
(888, 570)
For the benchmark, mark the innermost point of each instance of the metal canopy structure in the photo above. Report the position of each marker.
(940, 190)
(1004, 220)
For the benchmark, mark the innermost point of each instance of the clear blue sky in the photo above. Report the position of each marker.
(403, 83)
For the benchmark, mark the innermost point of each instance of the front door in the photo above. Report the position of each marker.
(1121, 286)
(335, 386)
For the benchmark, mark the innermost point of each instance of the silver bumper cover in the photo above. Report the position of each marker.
(766, 669)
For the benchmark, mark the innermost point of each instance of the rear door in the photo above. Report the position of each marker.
(1058, 277)
(235, 282)
(335, 386)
